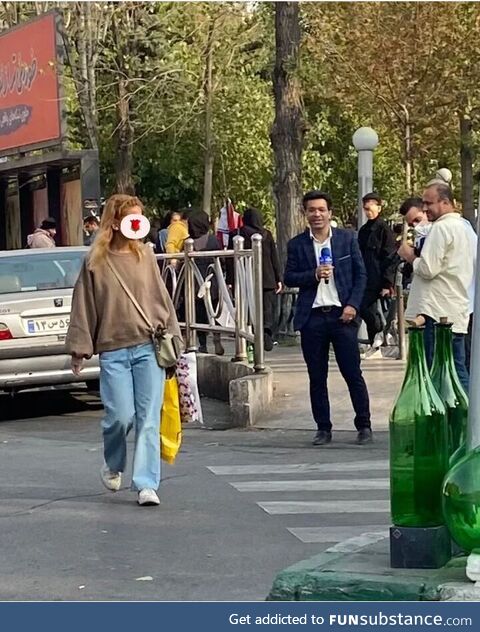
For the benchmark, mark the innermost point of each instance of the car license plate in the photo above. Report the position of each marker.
(47, 325)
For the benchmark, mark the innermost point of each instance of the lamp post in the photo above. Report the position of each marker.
(365, 139)
(477, 210)
(473, 427)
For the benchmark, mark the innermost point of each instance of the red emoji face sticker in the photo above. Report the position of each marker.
(134, 226)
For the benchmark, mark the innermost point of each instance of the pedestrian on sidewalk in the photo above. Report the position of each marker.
(444, 176)
(378, 248)
(443, 274)
(416, 218)
(271, 274)
(177, 232)
(90, 228)
(104, 320)
(327, 311)
(203, 241)
(44, 236)
(172, 217)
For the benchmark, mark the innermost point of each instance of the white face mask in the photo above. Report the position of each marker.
(135, 226)
(422, 230)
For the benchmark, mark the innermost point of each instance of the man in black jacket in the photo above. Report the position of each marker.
(378, 248)
(326, 311)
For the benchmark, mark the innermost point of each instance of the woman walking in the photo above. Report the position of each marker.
(104, 320)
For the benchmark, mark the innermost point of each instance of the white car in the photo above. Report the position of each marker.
(36, 289)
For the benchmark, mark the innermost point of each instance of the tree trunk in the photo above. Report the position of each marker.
(408, 151)
(124, 131)
(209, 155)
(124, 164)
(288, 128)
(92, 56)
(84, 73)
(466, 163)
(83, 69)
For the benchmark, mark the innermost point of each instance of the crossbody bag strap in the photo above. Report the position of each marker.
(130, 295)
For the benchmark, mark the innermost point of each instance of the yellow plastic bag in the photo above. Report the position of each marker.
(170, 424)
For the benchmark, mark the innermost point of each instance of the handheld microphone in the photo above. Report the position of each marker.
(326, 259)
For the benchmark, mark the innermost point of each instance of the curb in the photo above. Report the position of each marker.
(358, 569)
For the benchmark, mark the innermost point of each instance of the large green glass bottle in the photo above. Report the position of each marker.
(445, 380)
(418, 444)
(461, 501)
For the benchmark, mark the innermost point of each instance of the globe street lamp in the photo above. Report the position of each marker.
(365, 139)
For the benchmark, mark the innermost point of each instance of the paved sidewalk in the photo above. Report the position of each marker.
(291, 408)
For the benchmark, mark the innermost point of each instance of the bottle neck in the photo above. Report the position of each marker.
(417, 363)
(443, 355)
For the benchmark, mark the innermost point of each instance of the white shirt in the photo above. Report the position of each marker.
(327, 295)
(421, 233)
(472, 236)
(443, 274)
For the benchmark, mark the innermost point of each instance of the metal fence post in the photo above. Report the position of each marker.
(259, 354)
(473, 427)
(402, 350)
(190, 316)
(240, 302)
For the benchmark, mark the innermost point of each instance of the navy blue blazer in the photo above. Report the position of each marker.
(349, 271)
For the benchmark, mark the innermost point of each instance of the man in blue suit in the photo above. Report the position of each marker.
(327, 310)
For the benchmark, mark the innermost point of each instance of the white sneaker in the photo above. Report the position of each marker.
(111, 480)
(378, 341)
(373, 353)
(148, 497)
(390, 340)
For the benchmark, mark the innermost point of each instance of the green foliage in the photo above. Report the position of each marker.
(398, 67)
(362, 64)
(167, 105)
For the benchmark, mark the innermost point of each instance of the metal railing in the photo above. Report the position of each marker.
(239, 314)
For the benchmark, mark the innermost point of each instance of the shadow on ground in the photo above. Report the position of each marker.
(47, 403)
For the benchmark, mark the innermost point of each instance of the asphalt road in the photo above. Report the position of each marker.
(237, 507)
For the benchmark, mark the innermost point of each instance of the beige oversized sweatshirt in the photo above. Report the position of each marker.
(103, 318)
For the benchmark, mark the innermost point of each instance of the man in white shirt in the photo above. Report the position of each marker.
(443, 273)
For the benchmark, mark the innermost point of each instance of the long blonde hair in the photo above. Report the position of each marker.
(116, 208)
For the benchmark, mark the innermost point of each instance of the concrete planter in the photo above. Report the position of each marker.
(248, 393)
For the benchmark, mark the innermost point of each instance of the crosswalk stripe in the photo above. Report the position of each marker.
(323, 535)
(279, 507)
(300, 468)
(309, 485)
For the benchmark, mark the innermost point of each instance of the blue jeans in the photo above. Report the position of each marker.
(458, 346)
(131, 388)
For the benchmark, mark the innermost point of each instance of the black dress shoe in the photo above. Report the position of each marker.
(364, 436)
(267, 341)
(322, 437)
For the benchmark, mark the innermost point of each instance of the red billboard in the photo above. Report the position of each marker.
(30, 106)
